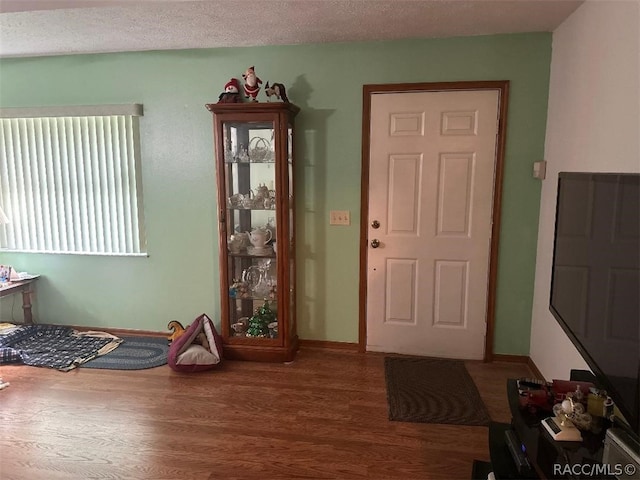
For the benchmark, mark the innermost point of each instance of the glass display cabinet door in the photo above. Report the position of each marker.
(250, 177)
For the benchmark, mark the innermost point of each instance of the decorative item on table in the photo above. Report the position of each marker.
(5, 273)
(572, 405)
(259, 322)
(540, 396)
(277, 89)
(251, 84)
(573, 410)
(260, 150)
(231, 92)
(16, 276)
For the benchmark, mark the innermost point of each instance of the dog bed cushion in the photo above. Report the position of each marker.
(185, 355)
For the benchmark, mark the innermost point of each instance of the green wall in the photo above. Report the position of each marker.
(179, 278)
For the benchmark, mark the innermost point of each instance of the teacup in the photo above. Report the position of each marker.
(241, 325)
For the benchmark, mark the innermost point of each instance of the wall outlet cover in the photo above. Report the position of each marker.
(339, 217)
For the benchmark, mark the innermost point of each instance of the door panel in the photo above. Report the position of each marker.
(454, 196)
(404, 194)
(400, 290)
(432, 167)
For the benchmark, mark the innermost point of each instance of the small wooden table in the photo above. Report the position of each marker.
(25, 287)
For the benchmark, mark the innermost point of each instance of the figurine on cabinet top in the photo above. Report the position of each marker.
(251, 84)
(231, 92)
(278, 90)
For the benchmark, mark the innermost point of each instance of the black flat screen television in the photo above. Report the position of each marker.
(595, 283)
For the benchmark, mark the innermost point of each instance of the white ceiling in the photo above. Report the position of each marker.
(53, 27)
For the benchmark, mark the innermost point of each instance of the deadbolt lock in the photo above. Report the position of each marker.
(375, 224)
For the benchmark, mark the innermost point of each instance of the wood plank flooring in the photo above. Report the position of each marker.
(323, 416)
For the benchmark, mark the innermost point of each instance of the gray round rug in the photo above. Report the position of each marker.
(134, 353)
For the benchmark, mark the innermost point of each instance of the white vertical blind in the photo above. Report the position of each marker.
(71, 184)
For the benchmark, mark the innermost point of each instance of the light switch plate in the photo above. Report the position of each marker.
(540, 169)
(339, 217)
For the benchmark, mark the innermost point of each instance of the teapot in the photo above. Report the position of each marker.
(259, 237)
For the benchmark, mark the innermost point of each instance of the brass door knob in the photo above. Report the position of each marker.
(375, 243)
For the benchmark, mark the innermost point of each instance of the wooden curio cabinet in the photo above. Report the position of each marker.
(254, 167)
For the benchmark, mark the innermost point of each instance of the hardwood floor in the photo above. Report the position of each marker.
(322, 417)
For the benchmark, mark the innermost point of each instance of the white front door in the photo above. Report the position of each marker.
(432, 167)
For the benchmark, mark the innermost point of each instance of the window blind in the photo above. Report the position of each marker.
(72, 184)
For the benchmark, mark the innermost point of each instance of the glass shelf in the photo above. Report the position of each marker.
(254, 162)
(249, 255)
(252, 208)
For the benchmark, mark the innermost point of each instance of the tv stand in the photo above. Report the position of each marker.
(548, 459)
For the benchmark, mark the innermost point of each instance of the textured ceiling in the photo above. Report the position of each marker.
(52, 27)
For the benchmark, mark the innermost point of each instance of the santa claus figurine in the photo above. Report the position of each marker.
(251, 84)
(231, 92)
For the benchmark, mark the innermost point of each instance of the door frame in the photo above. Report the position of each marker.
(502, 86)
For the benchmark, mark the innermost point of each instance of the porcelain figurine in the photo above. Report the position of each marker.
(251, 84)
(278, 90)
(231, 92)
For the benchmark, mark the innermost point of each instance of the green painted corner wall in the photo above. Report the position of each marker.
(179, 278)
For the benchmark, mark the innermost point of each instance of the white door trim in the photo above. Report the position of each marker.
(368, 90)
